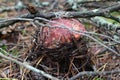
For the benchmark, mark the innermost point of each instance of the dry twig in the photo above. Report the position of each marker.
(91, 73)
(26, 65)
(91, 13)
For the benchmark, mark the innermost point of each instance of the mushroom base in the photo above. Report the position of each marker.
(64, 60)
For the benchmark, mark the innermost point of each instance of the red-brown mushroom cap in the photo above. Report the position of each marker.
(60, 32)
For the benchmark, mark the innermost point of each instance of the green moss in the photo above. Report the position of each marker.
(97, 78)
(14, 52)
(7, 79)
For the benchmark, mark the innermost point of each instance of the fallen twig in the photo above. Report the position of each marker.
(92, 73)
(86, 14)
(26, 65)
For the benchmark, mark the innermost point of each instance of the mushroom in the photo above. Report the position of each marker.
(60, 32)
(59, 42)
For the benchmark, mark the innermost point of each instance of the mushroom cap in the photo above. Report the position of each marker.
(60, 32)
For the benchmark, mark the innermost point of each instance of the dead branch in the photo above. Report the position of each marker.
(87, 14)
(91, 73)
(88, 1)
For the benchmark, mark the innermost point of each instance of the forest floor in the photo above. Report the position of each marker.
(16, 39)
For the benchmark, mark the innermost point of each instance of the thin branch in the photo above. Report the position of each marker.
(63, 26)
(88, 1)
(93, 73)
(31, 20)
(78, 32)
(16, 19)
(26, 65)
(86, 14)
(7, 23)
